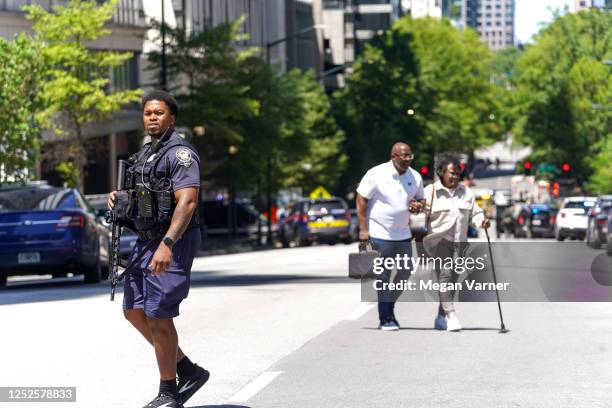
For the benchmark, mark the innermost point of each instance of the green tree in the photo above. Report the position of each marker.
(204, 69)
(601, 179)
(77, 90)
(264, 117)
(294, 129)
(20, 75)
(563, 91)
(423, 82)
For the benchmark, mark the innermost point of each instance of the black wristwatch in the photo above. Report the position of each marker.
(168, 241)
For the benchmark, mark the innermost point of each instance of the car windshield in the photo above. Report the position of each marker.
(327, 207)
(36, 199)
(584, 205)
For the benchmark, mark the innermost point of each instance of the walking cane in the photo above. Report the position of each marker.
(501, 317)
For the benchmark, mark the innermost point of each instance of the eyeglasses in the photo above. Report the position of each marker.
(406, 156)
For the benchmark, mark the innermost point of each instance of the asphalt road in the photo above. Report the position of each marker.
(286, 328)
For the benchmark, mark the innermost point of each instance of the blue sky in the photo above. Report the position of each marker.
(530, 13)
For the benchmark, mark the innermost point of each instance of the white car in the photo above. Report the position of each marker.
(572, 218)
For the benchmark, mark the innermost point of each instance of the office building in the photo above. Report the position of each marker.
(493, 19)
(586, 4)
(422, 8)
(112, 137)
(349, 25)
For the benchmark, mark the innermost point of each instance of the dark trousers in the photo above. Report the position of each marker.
(389, 249)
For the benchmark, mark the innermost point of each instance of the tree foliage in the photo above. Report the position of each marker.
(263, 117)
(423, 82)
(20, 76)
(76, 90)
(564, 92)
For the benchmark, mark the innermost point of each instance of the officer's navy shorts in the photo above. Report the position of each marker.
(160, 296)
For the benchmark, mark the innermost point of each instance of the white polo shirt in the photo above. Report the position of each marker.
(389, 194)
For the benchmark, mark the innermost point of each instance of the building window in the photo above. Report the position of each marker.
(126, 76)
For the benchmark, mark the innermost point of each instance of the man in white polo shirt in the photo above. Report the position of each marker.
(385, 196)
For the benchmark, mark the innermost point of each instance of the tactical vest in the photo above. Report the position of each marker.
(152, 193)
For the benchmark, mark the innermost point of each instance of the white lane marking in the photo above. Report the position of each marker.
(252, 388)
(360, 311)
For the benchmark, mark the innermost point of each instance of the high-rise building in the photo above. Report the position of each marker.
(304, 18)
(493, 19)
(423, 8)
(266, 21)
(349, 25)
(586, 4)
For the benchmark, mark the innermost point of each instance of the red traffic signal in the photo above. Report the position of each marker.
(424, 170)
(462, 165)
(565, 167)
(527, 165)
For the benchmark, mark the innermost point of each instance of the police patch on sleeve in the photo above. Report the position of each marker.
(184, 157)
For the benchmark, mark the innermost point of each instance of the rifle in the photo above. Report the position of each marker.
(117, 223)
(112, 218)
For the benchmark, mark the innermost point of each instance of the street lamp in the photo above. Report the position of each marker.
(231, 213)
(164, 70)
(296, 34)
(269, 46)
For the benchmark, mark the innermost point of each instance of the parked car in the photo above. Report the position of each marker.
(46, 229)
(128, 237)
(534, 221)
(323, 220)
(214, 216)
(597, 222)
(572, 218)
(354, 225)
(609, 240)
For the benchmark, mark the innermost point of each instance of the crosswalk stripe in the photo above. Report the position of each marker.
(360, 311)
(252, 388)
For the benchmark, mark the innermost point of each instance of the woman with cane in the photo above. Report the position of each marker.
(451, 208)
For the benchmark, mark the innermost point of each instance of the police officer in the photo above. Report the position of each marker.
(164, 180)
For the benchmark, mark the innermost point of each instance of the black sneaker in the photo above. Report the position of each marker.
(187, 386)
(165, 400)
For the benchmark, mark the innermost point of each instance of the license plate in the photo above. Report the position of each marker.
(537, 222)
(331, 224)
(28, 258)
(328, 218)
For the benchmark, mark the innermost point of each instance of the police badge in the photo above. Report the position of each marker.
(184, 157)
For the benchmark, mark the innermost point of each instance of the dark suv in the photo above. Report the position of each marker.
(535, 220)
(322, 220)
(597, 222)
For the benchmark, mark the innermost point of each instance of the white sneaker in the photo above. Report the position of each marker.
(452, 323)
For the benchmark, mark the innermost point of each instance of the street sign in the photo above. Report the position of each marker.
(547, 168)
(320, 192)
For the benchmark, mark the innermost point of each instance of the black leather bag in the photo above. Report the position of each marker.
(361, 264)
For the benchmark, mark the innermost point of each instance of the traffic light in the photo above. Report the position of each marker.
(566, 168)
(527, 166)
(424, 170)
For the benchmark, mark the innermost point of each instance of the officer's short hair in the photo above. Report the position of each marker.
(444, 160)
(159, 95)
